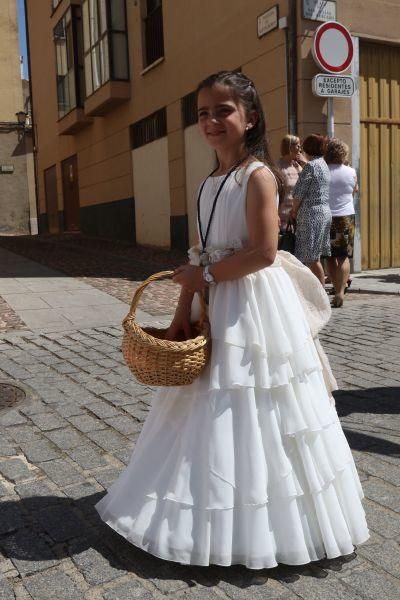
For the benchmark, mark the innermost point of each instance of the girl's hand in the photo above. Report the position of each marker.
(189, 277)
(180, 328)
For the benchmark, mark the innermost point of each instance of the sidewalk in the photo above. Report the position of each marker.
(63, 446)
(45, 300)
(382, 281)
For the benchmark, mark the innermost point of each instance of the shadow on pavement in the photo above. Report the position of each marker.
(37, 532)
(382, 400)
(82, 256)
(372, 401)
(389, 278)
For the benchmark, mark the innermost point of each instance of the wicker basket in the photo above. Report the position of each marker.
(156, 361)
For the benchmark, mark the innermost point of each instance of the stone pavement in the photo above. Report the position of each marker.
(61, 450)
(383, 281)
(45, 300)
(112, 267)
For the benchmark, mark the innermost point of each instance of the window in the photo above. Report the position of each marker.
(149, 129)
(69, 59)
(189, 109)
(54, 4)
(105, 42)
(153, 32)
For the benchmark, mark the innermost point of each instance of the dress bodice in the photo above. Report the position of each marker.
(229, 225)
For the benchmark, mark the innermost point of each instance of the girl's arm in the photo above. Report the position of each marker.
(262, 223)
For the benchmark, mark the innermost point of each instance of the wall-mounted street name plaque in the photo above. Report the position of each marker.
(268, 21)
(319, 10)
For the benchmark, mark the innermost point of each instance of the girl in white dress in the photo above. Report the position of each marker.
(249, 464)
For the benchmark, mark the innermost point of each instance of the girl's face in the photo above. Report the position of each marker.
(222, 120)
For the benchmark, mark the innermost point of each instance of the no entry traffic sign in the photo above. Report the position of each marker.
(332, 47)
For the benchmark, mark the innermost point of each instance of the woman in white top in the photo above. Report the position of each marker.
(343, 186)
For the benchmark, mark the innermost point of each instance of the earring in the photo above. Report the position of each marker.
(248, 127)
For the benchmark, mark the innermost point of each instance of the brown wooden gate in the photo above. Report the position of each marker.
(69, 169)
(50, 190)
(380, 155)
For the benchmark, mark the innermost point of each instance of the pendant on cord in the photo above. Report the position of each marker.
(204, 259)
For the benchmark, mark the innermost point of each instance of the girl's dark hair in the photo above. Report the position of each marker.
(244, 91)
(315, 144)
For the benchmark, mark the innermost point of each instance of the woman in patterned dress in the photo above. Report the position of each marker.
(311, 207)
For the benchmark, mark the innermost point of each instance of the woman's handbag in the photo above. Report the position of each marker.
(287, 240)
(160, 362)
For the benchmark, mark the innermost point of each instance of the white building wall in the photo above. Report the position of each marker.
(199, 161)
(151, 192)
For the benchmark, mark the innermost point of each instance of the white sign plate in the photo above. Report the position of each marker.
(6, 168)
(319, 10)
(267, 21)
(333, 86)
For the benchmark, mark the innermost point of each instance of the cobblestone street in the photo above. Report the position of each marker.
(63, 447)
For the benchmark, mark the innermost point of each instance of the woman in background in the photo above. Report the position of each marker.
(290, 165)
(343, 186)
(311, 207)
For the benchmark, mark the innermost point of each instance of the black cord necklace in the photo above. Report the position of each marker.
(204, 255)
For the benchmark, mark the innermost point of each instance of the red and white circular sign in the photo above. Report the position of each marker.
(332, 47)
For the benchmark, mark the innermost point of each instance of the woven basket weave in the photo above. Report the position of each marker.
(159, 362)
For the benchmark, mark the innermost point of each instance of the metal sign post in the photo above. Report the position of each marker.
(331, 118)
(332, 86)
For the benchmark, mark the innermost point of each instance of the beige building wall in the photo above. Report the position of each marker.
(11, 100)
(200, 161)
(312, 110)
(366, 19)
(51, 148)
(152, 206)
(102, 148)
(14, 145)
(199, 38)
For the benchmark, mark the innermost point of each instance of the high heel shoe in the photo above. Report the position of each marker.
(348, 284)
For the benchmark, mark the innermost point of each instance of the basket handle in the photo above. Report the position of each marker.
(159, 277)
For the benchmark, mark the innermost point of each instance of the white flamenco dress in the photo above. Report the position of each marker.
(249, 464)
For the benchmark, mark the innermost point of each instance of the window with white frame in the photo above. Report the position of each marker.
(67, 37)
(105, 42)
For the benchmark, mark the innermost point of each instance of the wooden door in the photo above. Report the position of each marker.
(50, 190)
(380, 155)
(69, 168)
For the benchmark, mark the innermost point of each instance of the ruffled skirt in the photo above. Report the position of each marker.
(249, 464)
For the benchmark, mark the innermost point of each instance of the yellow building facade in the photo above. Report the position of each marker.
(118, 153)
(18, 214)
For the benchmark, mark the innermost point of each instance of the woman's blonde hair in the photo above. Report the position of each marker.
(336, 152)
(288, 141)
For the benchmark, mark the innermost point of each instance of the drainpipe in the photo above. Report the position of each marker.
(291, 66)
(34, 218)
